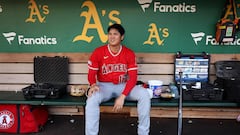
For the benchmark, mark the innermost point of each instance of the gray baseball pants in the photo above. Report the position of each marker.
(110, 90)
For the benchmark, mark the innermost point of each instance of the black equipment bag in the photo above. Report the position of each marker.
(206, 92)
(50, 76)
(228, 78)
(195, 77)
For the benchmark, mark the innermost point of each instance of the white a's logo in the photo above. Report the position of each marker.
(9, 36)
(197, 37)
(144, 4)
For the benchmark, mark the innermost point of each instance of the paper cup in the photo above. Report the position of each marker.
(156, 87)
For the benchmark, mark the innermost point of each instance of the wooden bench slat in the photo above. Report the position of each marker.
(28, 68)
(18, 85)
(16, 68)
(155, 69)
(83, 57)
(28, 57)
(79, 68)
(28, 78)
(73, 78)
(12, 87)
(217, 57)
(192, 112)
(16, 78)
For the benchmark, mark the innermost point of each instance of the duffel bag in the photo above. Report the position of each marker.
(19, 118)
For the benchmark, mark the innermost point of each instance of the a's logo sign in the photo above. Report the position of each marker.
(9, 36)
(197, 37)
(144, 4)
(35, 12)
(6, 119)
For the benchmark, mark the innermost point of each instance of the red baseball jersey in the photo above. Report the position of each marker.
(115, 68)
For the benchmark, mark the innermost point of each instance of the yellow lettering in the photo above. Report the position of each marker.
(228, 11)
(45, 10)
(92, 13)
(113, 18)
(153, 34)
(165, 32)
(34, 11)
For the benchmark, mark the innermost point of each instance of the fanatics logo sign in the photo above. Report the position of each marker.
(197, 37)
(144, 4)
(22, 40)
(168, 7)
(9, 36)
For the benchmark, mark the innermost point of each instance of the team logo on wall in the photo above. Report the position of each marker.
(199, 37)
(144, 4)
(22, 40)
(9, 36)
(6, 119)
(37, 12)
(167, 8)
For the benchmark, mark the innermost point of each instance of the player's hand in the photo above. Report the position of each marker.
(94, 88)
(118, 105)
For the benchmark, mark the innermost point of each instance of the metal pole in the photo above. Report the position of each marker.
(180, 106)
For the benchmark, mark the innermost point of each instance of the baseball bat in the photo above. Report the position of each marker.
(180, 106)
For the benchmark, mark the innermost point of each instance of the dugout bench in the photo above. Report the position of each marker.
(12, 97)
(160, 107)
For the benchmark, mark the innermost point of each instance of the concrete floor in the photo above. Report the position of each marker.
(115, 124)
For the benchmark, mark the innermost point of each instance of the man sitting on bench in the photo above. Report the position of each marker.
(115, 67)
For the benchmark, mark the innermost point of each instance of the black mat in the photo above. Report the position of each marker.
(115, 124)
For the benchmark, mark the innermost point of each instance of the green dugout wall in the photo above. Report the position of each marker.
(152, 26)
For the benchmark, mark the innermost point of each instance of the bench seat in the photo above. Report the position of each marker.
(160, 108)
(12, 97)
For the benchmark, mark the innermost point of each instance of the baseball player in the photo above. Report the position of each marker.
(113, 74)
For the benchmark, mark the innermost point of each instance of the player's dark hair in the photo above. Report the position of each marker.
(119, 27)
